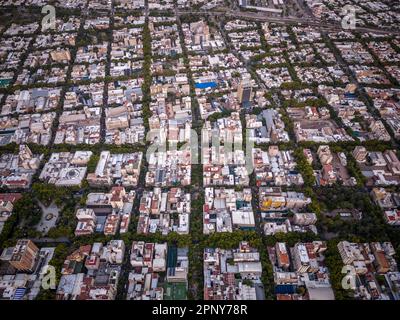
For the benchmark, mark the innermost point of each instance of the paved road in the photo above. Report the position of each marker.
(51, 240)
(311, 21)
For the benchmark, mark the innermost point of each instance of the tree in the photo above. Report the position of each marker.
(27, 210)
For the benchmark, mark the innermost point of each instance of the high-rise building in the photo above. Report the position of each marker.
(245, 90)
(243, 3)
(282, 255)
(200, 32)
(360, 153)
(324, 154)
(24, 255)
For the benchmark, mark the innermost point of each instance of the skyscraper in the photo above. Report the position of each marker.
(245, 90)
(24, 255)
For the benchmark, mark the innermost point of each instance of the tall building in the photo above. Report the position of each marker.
(360, 153)
(305, 256)
(61, 56)
(300, 257)
(27, 159)
(200, 32)
(245, 90)
(381, 263)
(325, 154)
(24, 255)
(282, 255)
(243, 3)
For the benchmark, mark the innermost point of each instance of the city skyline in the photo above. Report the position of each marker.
(199, 150)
